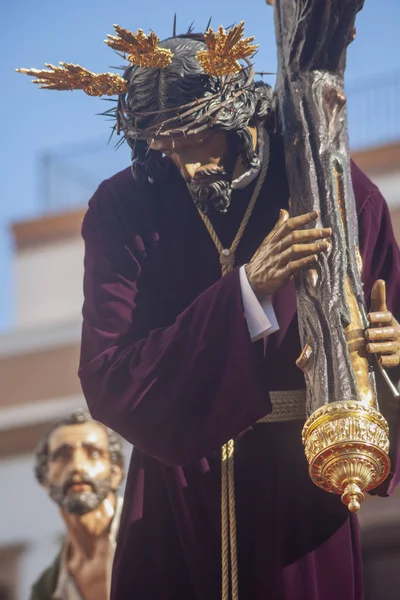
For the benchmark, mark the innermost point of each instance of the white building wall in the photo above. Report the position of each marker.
(28, 518)
(389, 186)
(48, 283)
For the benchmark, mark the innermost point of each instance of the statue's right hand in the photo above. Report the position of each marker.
(286, 250)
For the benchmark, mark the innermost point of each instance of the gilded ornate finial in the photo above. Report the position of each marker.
(224, 50)
(143, 50)
(74, 77)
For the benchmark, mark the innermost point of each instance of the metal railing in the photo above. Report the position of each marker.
(374, 111)
(68, 175)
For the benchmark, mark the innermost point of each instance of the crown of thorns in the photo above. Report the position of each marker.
(220, 59)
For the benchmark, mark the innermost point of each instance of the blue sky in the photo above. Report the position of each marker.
(35, 121)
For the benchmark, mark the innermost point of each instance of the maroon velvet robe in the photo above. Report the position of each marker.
(167, 362)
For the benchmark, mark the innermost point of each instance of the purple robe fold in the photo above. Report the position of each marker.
(167, 362)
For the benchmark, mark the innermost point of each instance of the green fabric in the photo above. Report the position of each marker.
(45, 586)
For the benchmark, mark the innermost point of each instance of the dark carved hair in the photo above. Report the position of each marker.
(75, 418)
(182, 82)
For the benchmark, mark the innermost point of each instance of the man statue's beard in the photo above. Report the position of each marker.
(80, 503)
(215, 195)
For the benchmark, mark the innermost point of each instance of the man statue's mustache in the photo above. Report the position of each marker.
(209, 172)
(82, 501)
(214, 195)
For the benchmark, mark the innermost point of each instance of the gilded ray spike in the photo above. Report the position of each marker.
(224, 50)
(143, 50)
(68, 76)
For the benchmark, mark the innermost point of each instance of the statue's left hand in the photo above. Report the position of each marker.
(384, 331)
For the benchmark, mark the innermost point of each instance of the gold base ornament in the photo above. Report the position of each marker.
(347, 445)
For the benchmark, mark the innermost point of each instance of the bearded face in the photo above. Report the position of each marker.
(207, 164)
(79, 473)
(211, 188)
(81, 495)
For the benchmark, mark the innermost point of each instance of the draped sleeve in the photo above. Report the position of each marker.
(179, 392)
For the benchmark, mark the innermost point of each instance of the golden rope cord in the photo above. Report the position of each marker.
(228, 514)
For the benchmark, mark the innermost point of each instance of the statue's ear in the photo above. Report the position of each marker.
(117, 475)
(44, 482)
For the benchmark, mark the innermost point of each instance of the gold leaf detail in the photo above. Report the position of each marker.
(347, 444)
(74, 77)
(224, 50)
(143, 50)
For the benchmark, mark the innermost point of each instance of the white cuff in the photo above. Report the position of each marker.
(260, 316)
